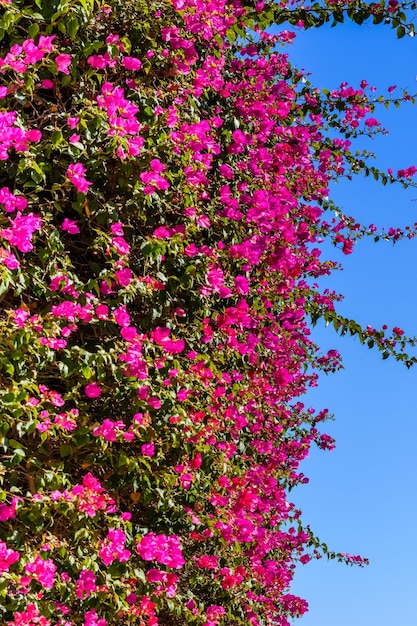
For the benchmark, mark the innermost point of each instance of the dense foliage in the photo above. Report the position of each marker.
(164, 194)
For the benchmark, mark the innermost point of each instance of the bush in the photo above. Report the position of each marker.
(164, 185)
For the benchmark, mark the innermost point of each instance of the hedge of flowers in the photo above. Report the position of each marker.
(164, 191)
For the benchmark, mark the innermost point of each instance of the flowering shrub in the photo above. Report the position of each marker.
(164, 195)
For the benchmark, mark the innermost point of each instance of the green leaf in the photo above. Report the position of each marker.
(231, 35)
(16, 445)
(33, 30)
(87, 371)
(72, 26)
(65, 450)
(56, 137)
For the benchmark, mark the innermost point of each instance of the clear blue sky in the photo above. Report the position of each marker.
(362, 497)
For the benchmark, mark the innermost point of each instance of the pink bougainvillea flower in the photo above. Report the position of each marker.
(131, 598)
(130, 63)
(148, 449)
(117, 229)
(371, 122)
(92, 390)
(128, 333)
(102, 311)
(91, 496)
(73, 122)
(153, 179)
(167, 580)
(207, 562)
(226, 171)
(121, 245)
(113, 547)
(63, 61)
(203, 221)
(32, 614)
(43, 570)
(122, 316)
(8, 511)
(34, 135)
(92, 619)
(161, 548)
(347, 246)
(11, 201)
(186, 480)
(45, 42)
(9, 259)
(70, 226)
(408, 172)
(109, 429)
(154, 402)
(21, 231)
(7, 557)
(124, 276)
(242, 285)
(47, 84)
(99, 61)
(86, 584)
(75, 173)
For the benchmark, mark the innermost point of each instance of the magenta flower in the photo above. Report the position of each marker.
(63, 61)
(154, 402)
(408, 172)
(117, 229)
(124, 276)
(70, 226)
(8, 259)
(130, 63)
(102, 311)
(21, 231)
(92, 619)
(371, 122)
(73, 122)
(92, 390)
(131, 598)
(226, 171)
(34, 135)
(121, 245)
(43, 570)
(113, 547)
(7, 557)
(45, 43)
(161, 548)
(109, 429)
(86, 584)
(242, 285)
(91, 496)
(121, 316)
(75, 173)
(47, 84)
(148, 449)
(12, 202)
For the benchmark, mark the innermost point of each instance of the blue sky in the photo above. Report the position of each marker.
(361, 497)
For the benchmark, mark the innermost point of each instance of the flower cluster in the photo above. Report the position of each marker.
(161, 548)
(164, 213)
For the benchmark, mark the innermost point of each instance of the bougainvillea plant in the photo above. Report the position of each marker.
(163, 199)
